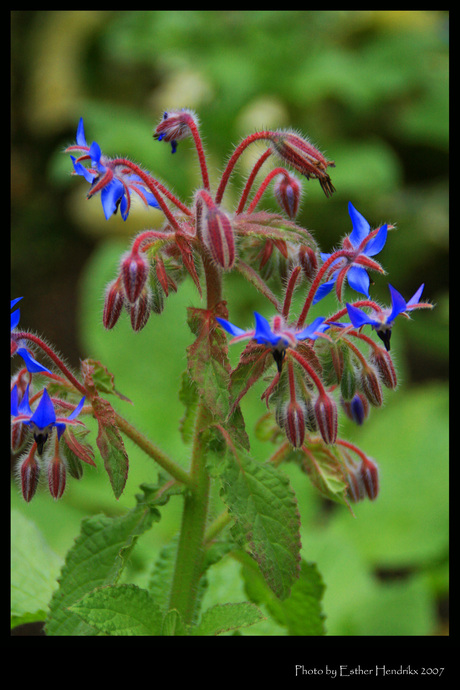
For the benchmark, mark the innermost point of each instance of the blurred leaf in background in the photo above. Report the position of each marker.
(371, 89)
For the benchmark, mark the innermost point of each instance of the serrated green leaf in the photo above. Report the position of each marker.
(120, 610)
(103, 380)
(111, 446)
(301, 613)
(96, 559)
(34, 571)
(173, 625)
(263, 506)
(224, 617)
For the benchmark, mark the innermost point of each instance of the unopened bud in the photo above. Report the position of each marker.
(370, 477)
(56, 476)
(139, 312)
(326, 417)
(356, 489)
(304, 157)
(29, 474)
(113, 304)
(309, 261)
(356, 409)
(134, 270)
(294, 423)
(216, 231)
(288, 191)
(175, 126)
(370, 385)
(381, 359)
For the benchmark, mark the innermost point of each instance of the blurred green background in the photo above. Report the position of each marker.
(370, 88)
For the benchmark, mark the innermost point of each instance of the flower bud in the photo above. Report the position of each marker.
(56, 476)
(304, 157)
(216, 232)
(134, 271)
(326, 417)
(294, 423)
(370, 477)
(287, 191)
(18, 436)
(356, 409)
(139, 312)
(381, 359)
(113, 304)
(175, 126)
(29, 474)
(309, 261)
(370, 385)
(356, 489)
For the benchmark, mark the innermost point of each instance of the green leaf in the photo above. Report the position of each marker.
(96, 559)
(264, 508)
(111, 446)
(224, 617)
(103, 380)
(120, 610)
(34, 571)
(301, 613)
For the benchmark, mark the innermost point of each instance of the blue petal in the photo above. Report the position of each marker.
(78, 409)
(60, 426)
(44, 415)
(32, 365)
(398, 304)
(18, 299)
(264, 334)
(14, 401)
(359, 318)
(316, 325)
(415, 299)
(15, 316)
(323, 290)
(375, 245)
(81, 139)
(110, 195)
(358, 280)
(95, 153)
(81, 170)
(24, 407)
(361, 227)
(230, 328)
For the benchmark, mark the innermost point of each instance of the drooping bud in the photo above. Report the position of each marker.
(175, 126)
(134, 270)
(356, 409)
(356, 489)
(309, 261)
(326, 417)
(288, 191)
(113, 304)
(29, 474)
(139, 312)
(370, 385)
(381, 359)
(216, 231)
(304, 157)
(370, 478)
(56, 475)
(294, 423)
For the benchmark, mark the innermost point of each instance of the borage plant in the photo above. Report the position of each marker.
(314, 368)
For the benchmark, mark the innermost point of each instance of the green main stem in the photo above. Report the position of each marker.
(192, 540)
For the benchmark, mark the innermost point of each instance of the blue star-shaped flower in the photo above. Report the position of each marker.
(43, 419)
(382, 321)
(360, 250)
(277, 338)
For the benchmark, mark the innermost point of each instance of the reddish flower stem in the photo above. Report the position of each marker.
(251, 179)
(273, 173)
(236, 154)
(314, 286)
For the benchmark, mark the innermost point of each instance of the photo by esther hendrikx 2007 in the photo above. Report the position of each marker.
(314, 368)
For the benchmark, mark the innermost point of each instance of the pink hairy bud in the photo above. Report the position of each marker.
(56, 476)
(370, 385)
(370, 477)
(383, 363)
(309, 261)
(140, 311)
(134, 270)
(294, 423)
(216, 231)
(326, 417)
(29, 474)
(113, 304)
(304, 157)
(287, 191)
